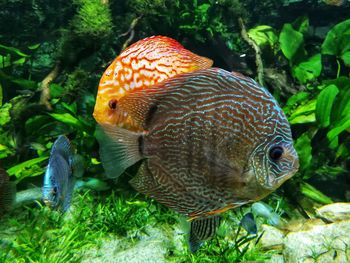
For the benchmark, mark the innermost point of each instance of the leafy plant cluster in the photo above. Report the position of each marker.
(320, 113)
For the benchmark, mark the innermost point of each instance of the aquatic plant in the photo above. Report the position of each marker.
(307, 73)
(93, 19)
(324, 104)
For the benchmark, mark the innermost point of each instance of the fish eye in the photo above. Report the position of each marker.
(54, 190)
(275, 153)
(113, 104)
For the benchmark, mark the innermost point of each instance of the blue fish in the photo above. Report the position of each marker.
(264, 210)
(60, 174)
(248, 223)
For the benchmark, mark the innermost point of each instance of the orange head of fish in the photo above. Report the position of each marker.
(143, 64)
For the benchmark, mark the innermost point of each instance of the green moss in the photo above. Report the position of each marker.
(92, 20)
(41, 235)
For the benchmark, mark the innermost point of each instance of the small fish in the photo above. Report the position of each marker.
(211, 140)
(143, 64)
(249, 224)
(7, 191)
(264, 210)
(92, 184)
(28, 196)
(334, 2)
(59, 177)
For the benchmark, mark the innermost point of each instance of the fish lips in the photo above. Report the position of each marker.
(272, 182)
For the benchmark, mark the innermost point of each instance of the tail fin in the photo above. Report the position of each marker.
(119, 149)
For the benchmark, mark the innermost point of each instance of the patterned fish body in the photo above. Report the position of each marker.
(58, 179)
(212, 140)
(143, 64)
(7, 191)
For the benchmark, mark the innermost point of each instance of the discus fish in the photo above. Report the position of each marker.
(59, 178)
(143, 64)
(211, 140)
(7, 191)
(334, 2)
(248, 223)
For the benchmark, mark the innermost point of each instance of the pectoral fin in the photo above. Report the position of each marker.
(119, 149)
(201, 230)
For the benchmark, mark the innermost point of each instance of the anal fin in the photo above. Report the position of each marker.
(201, 230)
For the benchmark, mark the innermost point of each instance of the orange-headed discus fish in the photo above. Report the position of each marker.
(211, 140)
(143, 64)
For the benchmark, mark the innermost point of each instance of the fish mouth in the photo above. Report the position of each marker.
(47, 202)
(275, 183)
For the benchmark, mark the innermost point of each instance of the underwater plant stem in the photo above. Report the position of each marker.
(338, 70)
(131, 32)
(45, 86)
(258, 60)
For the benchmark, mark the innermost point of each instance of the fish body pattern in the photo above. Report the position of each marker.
(59, 177)
(7, 191)
(212, 140)
(143, 64)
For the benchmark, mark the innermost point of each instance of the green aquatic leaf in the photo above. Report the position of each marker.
(301, 24)
(5, 151)
(35, 46)
(71, 107)
(25, 83)
(67, 118)
(297, 98)
(0, 95)
(20, 61)
(342, 103)
(5, 61)
(13, 50)
(5, 116)
(342, 126)
(18, 169)
(304, 150)
(263, 35)
(304, 110)
(56, 90)
(314, 194)
(324, 105)
(343, 151)
(294, 101)
(346, 58)
(308, 70)
(337, 42)
(302, 119)
(291, 42)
